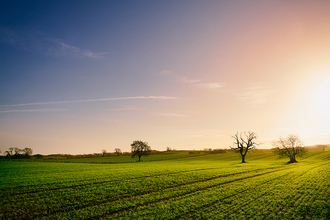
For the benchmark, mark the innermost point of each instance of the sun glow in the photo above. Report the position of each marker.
(321, 99)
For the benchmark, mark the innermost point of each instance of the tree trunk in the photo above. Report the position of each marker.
(139, 158)
(293, 159)
(243, 158)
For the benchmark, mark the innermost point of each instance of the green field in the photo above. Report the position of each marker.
(127, 159)
(211, 186)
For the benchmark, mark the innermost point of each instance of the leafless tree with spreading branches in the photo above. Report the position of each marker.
(244, 142)
(290, 147)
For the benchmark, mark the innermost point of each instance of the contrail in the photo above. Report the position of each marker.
(35, 110)
(91, 100)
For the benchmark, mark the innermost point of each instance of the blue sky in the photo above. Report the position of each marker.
(82, 76)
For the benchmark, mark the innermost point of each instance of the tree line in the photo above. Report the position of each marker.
(16, 153)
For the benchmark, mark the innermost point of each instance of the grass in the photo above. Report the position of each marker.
(170, 186)
(125, 159)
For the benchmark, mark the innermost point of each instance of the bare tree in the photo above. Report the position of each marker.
(118, 151)
(140, 148)
(27, 152)
(168, 149)
(104, 152)
(244, 142)
(290, 147)
(17, 151)
(11, 149)
(9, 152)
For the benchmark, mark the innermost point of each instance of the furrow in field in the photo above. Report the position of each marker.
(177, 206)
(255, 203)
(44, 187)
(286, 190)
(234, 204)
(120, 197)
(177, 195)
(226, 191)
(183, 211)
(264, 207)
(309, 190)
(110, 181)
(228, 205)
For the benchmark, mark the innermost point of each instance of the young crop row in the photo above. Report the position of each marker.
(157, 197)
(179, 204)
(181, 189)
(85, 182)
(58, 176)
(62, 200)
(182, 207)
(20, 177)
(271, 199)
(200, 198)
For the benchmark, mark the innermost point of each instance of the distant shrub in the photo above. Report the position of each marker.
(218, 151)
(38, 156)
(194, 152)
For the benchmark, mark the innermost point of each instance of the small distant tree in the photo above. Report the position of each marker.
(9, 153)
(118, 151)
(244, 142)
(27, 152)
(168, 149)
(17, 151)
(290, 147)
(140, 148)
(104, 152)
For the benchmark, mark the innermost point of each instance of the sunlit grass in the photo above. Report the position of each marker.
(201, 187)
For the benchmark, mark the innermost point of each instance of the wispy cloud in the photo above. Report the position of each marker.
(186, 80)
(172, 115)
(255, 95)
(126, 109)
(195, 82)
(100, 119)
(93, 100)
(59, 48)
(35, 110)
(94, 55)
(8, 36)
(283, 129)
(68, 48)
(37, 41)
(212, 86)
(166, 72)
(206, 135)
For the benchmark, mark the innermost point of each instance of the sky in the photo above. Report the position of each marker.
(77, 77)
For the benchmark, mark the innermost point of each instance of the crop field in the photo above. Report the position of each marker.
(211, 186)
